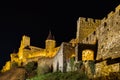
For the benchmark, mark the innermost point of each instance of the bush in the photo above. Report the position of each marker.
(72, 63)
(62, 76)
(29, 67)
(43, 69)
(14, 64)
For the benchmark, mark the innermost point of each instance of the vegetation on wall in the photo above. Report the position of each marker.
(78, 65)
(72, 63)
(62, 76)
(14, 65)
(31, 69)
(43, 69)
(92, 66)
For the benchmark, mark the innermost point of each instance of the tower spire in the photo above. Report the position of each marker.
(50, 36)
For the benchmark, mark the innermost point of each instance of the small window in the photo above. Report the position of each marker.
(116, 22)
(105, 24)
(94, 32)
(106, 38)
(119, 12)
(87, 39)
(108, 29)
(102, 46)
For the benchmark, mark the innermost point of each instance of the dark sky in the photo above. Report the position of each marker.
(35, 19)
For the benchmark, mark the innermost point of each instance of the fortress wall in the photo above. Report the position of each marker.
(91, 39)
(25, 41)
(102, 69)
(60, 60)
(86, 26)
(109, 34)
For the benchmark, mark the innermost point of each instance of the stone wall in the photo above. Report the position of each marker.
(106, 36)
(44, 65)
(86, 26)
(45, 61)
(102, 69)
(109, 36)
(65, 52)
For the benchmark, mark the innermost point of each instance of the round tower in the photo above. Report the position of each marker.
(50, 42)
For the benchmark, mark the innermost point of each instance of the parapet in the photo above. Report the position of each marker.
(117, 8)
(25, 40)
(110, 14)
(88, 20)
(25, 37)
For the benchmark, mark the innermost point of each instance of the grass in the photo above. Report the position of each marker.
(61, 76)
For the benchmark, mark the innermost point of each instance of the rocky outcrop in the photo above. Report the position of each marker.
(13, 74)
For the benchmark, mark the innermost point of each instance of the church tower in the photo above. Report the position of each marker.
(50, 42)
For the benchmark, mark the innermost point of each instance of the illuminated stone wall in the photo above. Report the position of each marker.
(86, 26)
(106, 34)
(107, 38)
(24, 43)
(103, 69)
(65, 52)
(6, 67)
(29, 53)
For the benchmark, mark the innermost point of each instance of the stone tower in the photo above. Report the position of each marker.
(86, 26)
(24, 43)
(50, 43)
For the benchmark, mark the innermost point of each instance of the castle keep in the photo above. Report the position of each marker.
(97, 42)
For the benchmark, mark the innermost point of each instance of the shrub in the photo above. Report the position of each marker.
(29, 67)
(14, 64)
(62, 76)
(43, 69)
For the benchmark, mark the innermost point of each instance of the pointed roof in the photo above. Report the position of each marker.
(50, 36)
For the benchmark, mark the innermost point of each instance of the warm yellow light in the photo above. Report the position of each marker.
(87, 55)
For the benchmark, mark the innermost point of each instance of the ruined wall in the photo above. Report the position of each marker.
(65, 52)
(58, 60)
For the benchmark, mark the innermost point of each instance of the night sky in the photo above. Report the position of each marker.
(35, 19)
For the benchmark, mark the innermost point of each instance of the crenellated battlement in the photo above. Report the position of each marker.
(110, 14)
(86, 26)
(115, 12)
(88, 20)
(117, 8)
